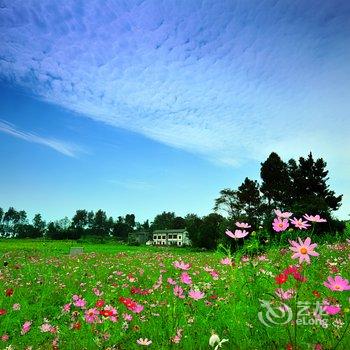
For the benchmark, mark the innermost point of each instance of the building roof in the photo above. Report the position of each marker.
(181, 230)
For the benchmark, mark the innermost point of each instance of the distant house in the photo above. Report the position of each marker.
(177, 237)
(140, 237)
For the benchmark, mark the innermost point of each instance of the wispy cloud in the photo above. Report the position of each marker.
(130, 184)
(65, 148)
(224, 80)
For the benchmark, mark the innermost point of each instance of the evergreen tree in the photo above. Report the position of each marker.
(276, 184)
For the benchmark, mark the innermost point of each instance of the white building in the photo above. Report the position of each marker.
(177, 237)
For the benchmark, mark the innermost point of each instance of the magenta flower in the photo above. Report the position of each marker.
(300, 224)
(285, 215)
(284, 295)
(280, 225)
(315, 218)
(337, 284)
(186, 278)
(242, 225)
(178, 292)
(171, 281)
(181, 265)
(237, 234)
(26, 327)
(91, 315)
(330, 309)
(303, 250)
(195, 294)
(80, 303)
(226, 261)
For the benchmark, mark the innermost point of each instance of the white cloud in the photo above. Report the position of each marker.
(65, 148)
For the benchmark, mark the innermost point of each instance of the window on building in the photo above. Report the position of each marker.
(175, 236)
(170, 236)
(163, 237)
(179, 243)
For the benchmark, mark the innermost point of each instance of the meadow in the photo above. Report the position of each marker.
(121, 297)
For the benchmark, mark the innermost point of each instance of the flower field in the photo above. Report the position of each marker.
(120, 297)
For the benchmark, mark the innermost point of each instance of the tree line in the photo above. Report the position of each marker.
(297, 186)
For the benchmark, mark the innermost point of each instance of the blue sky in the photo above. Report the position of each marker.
(144, 106)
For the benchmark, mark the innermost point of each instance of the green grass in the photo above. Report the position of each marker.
(44, 278)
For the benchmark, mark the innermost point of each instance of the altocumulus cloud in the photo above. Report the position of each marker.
(228, 80)
(65, 148)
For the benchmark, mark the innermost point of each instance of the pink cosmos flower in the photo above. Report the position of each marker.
(348, 240)
(26, 327)
(237, 234)
(181, 265)
(280, 225)
(315, 218)
(127, 317)
(46, 327)
(186, 278)
(214, 274)
(242, 225)
(97, 292)
(137, 308)
(80, 303)
(144, 342)
(337, 284)
(16, 307)
(195, 294)
(226, 261)
(5, 337)
(91, 315)
(285, 215)
(66, 307)
(330, 309)
(300, 224)
(303, 250)
(177, 338)
(171, 281)
(178, 292)
(284, 295)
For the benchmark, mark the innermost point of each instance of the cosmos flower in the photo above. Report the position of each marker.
(337, 284)
(226, 261)
(281, 278)
(181, 265)
(280, 225)
(237, 234)
(144, 342)
(26, 327)
(91, 315)
(195, 294)
(300, 224)
(285, 215)
(315, 218)
(186, 278)
(242, 225)
(284, 295)
(178, 291)
(303, 250)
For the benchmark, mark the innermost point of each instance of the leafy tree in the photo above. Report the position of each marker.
(121, 229)
(163, 221)
(276, 183)
(311, 192)
(210, 231)
(250, 200)
(38, 226)
(229, 203)
(1, 214)
(130, 220)
(193, 227)
(100, 224)
(178, 223)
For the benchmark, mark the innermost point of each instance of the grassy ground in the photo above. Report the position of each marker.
(41, 277)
